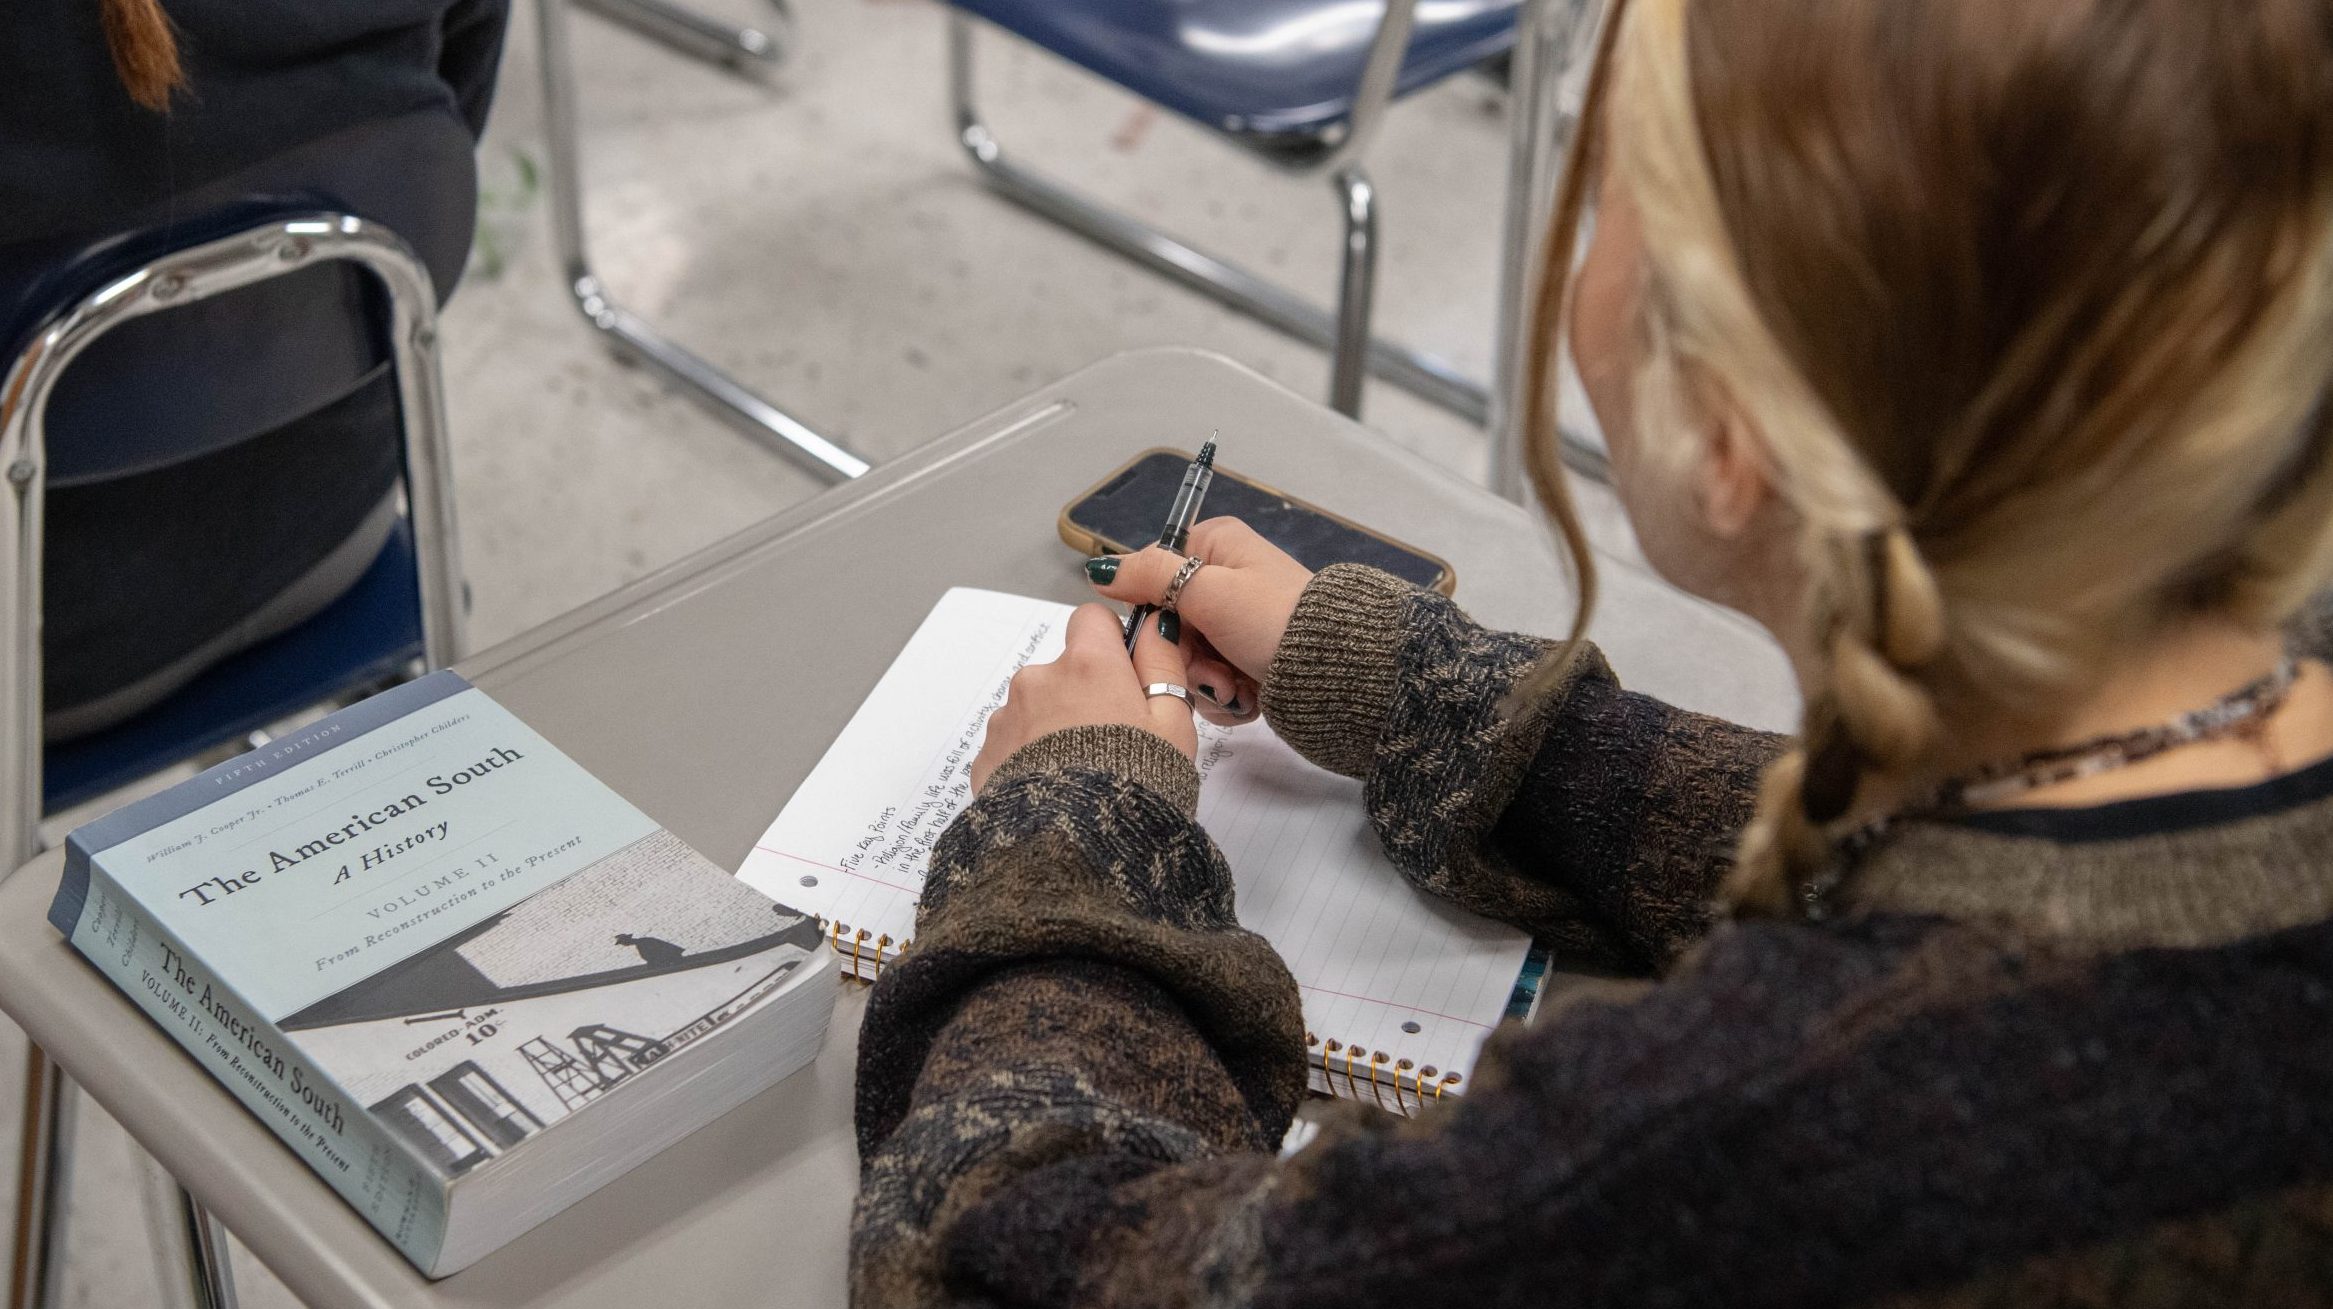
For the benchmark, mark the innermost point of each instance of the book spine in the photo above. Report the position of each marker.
(387, 1183)
(72, 889)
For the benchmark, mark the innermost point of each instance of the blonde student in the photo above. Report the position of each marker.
(1979, 349)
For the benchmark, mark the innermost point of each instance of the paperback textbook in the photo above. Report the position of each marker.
(458, 975)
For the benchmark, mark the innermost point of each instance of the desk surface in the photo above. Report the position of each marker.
(706, 692)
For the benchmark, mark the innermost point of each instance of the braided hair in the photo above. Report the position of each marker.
(2029, 305)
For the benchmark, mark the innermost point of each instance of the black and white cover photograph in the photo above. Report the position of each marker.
(482, 1041)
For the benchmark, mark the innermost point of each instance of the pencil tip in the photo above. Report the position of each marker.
(1207, 454)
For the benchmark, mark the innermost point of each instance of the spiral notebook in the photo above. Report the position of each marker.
(1399, 988)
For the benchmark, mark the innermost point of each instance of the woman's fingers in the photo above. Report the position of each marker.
(1240, 596)
(1001, 738)
(1228, 540)
(1140, 578)
(1221, 693)
(1158, 660)
(1234, 705)
(1093, 629)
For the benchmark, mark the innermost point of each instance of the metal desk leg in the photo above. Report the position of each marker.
(1356, 290)
(741, 49)
(44, 1176)
(210, 1270)
(630, 336)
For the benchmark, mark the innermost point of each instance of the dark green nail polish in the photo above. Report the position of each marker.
(1207, 691)
(1103, 569)
(1170, 626)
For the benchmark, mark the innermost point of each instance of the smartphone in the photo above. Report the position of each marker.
(1124, 511)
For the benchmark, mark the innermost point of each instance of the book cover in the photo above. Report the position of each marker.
(416, 940)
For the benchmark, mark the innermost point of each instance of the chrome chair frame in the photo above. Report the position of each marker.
(1551, 38)
(268, 250)
(742, 49)
(1548, 39)
(1353, 352)
(627, 334)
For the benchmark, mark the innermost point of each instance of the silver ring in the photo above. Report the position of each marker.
(1174, 589)
(1156, 689)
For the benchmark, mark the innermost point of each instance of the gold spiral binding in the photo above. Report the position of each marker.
(863, 952)
(1386, 1071)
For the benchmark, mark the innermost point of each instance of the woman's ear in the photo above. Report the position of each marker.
(1736, 481)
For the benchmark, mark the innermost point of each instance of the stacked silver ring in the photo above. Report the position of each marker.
(1174, 591)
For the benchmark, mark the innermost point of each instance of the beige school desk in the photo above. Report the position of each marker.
(704, 694)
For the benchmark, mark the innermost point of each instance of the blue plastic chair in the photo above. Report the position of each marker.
(60, 316)
(1300, 83)
(179, 339)
(1282, 74)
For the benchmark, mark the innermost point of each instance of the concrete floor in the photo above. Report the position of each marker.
(820, 236)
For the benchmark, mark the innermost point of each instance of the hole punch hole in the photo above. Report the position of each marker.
(1412, 1027)
(809, 879)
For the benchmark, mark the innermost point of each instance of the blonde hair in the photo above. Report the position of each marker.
(144, 49)
(2031, 304)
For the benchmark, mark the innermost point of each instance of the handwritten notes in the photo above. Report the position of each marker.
(1383, 966)
(897, 843)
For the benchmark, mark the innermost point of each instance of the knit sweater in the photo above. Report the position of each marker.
(2022, 1067)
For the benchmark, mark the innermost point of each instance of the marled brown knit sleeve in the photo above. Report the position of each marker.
(1070, 1087)
(1079, 995)
(1598, 819)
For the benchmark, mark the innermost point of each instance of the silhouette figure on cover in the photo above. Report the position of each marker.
(653, 950)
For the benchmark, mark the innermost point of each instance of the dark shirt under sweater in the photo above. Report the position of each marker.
(148, 565)
(2045, 1059)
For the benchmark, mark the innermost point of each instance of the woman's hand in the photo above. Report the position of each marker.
(1093, 683)
(1234, 609)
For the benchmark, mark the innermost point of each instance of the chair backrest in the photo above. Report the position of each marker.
(167, 388)
(62, 317)
(1274, 73)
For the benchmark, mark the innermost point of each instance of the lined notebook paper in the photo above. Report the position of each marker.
(1399, 988)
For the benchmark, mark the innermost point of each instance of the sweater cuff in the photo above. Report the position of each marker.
(1331, 684)
(1144, 758)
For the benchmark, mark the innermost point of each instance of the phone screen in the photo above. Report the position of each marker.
(1129, 509)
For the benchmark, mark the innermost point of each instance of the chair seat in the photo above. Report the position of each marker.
(1253, 68)
(365, 637)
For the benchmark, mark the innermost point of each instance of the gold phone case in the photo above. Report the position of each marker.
(1080, 538)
